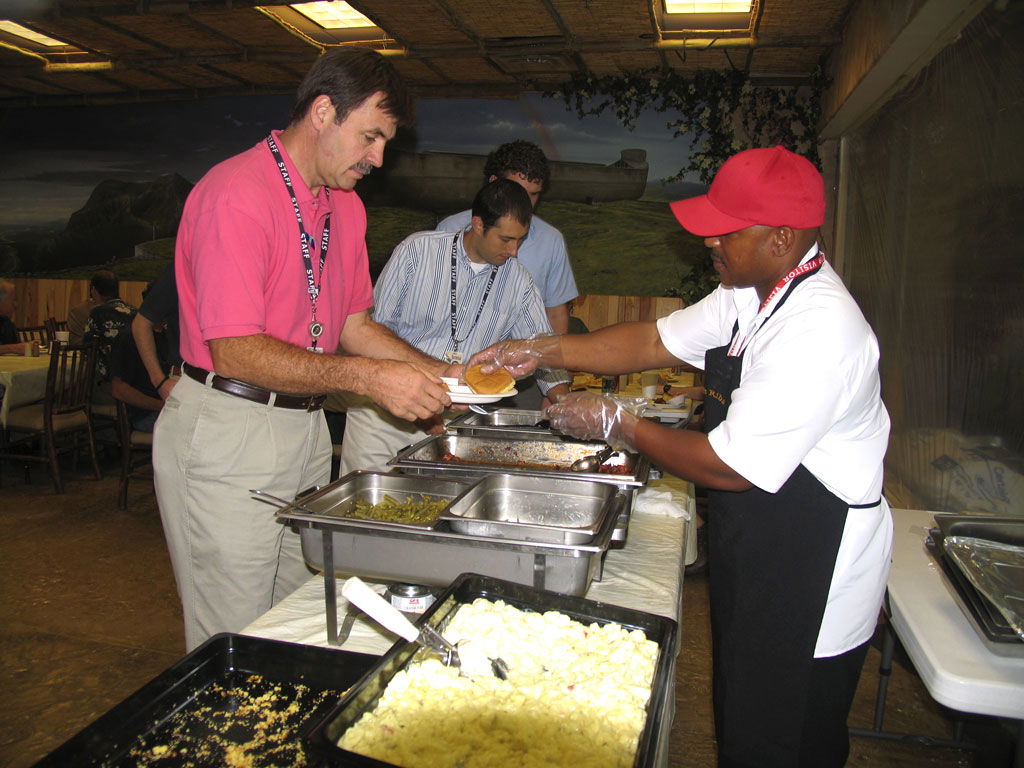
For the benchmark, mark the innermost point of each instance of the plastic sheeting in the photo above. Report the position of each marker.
(932, 252)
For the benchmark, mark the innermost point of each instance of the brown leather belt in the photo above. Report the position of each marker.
(252, 392)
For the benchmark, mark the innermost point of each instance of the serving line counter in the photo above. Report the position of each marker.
(959, 668)
(646, 575)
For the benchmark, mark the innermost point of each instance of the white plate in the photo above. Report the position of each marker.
(463, 395)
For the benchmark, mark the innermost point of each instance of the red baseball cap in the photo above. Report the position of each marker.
(774, 187)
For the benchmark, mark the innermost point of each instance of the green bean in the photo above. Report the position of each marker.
(412, 511)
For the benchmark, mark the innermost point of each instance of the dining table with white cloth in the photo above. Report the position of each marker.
(22, 381)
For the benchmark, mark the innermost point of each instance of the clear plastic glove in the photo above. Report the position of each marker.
(590, 416)
(521, 357)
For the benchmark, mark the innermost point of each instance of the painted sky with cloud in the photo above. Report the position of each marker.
(56, 157)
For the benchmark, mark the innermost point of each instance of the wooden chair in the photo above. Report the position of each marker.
(65, 410)
(136, 452)
(52, 326)
(34, 333)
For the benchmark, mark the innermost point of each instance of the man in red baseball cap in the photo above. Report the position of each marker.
(795, 432)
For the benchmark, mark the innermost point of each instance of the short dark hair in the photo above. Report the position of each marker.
(349, 76)
(106, 284)
(518, 157)
(502, 197)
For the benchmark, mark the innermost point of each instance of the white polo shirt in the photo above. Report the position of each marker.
(809, 394)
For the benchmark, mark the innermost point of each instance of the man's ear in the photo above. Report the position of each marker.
(782, 240)
(477, 225)
(321, 111)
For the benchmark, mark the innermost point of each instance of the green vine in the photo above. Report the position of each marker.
(721, 109)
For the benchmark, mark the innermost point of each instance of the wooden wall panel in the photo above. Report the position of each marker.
(597, 311)
(39, 299)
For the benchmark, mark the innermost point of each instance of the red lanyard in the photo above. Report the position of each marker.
(810, 265)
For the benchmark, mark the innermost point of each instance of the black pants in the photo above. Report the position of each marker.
(826, 742)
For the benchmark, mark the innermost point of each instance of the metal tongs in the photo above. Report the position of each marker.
(277, 501)
(376, 607)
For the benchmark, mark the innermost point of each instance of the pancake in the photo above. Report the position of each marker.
(489, 384)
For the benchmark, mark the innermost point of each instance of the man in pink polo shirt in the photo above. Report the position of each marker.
(272, 276)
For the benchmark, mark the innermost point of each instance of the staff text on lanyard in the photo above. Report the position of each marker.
(312, 285)
(453, 355)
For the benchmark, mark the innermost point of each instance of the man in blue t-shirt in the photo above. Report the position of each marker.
(543, 253)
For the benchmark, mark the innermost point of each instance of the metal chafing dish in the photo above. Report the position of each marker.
(434, 555)
(506, 422)
(464, 456)
(540, 509)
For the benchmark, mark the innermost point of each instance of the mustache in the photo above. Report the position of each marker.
(363, 168)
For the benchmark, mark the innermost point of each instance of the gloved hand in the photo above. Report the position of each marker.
(521, 357)
(590, 416)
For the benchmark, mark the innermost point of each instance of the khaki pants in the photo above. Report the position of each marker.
(232, 560)
(373, 436)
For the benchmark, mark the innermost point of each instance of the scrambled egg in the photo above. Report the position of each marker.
(576, 696)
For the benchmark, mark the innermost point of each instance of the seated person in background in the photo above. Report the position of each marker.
(130, 381)
(107, 320)
(450, 294)
(9, 344)
(159, 309)
(78, 315)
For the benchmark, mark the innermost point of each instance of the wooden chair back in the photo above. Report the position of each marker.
(52, 326)
(70, 379)
(33, 333)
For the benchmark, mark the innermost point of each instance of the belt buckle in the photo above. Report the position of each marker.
(310, 404)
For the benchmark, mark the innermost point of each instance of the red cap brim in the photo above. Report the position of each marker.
(698, 216)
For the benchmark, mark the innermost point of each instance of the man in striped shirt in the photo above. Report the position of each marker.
(451, 294)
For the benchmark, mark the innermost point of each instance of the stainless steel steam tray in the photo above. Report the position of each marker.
(519, 422)
(434, 556)
(464, 455)
(338, 499)
(542, 509)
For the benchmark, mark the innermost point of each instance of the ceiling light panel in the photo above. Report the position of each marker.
(333, 15)
(707, 6)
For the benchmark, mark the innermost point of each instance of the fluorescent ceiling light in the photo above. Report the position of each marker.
(28, 34)
(707, 6)
(333, 14)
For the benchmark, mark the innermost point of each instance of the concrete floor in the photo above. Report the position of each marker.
(89, 613)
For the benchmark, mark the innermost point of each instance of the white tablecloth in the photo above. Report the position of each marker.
(957, 666)
(22, 381)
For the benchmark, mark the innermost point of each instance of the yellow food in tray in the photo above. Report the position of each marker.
(576, 695)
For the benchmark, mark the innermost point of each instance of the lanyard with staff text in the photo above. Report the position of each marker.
(312, 286)
(455, 356)
(801, 271)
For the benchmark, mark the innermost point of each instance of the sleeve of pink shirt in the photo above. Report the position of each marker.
(229, 264)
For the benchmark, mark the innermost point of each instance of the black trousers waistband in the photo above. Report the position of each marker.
(253, 393)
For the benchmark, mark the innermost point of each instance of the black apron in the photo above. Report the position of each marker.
(771, 558)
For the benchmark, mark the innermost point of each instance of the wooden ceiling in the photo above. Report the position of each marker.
(142, 50)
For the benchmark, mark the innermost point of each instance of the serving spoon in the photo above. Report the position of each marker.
(380, 610)
(593, 461)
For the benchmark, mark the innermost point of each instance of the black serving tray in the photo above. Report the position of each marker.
(1007, 530)
(322, 736)
(224, 662)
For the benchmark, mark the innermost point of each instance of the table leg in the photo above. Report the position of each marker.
(877, 732)
(330, 591)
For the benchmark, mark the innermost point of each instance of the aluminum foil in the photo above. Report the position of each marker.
(996, 570)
